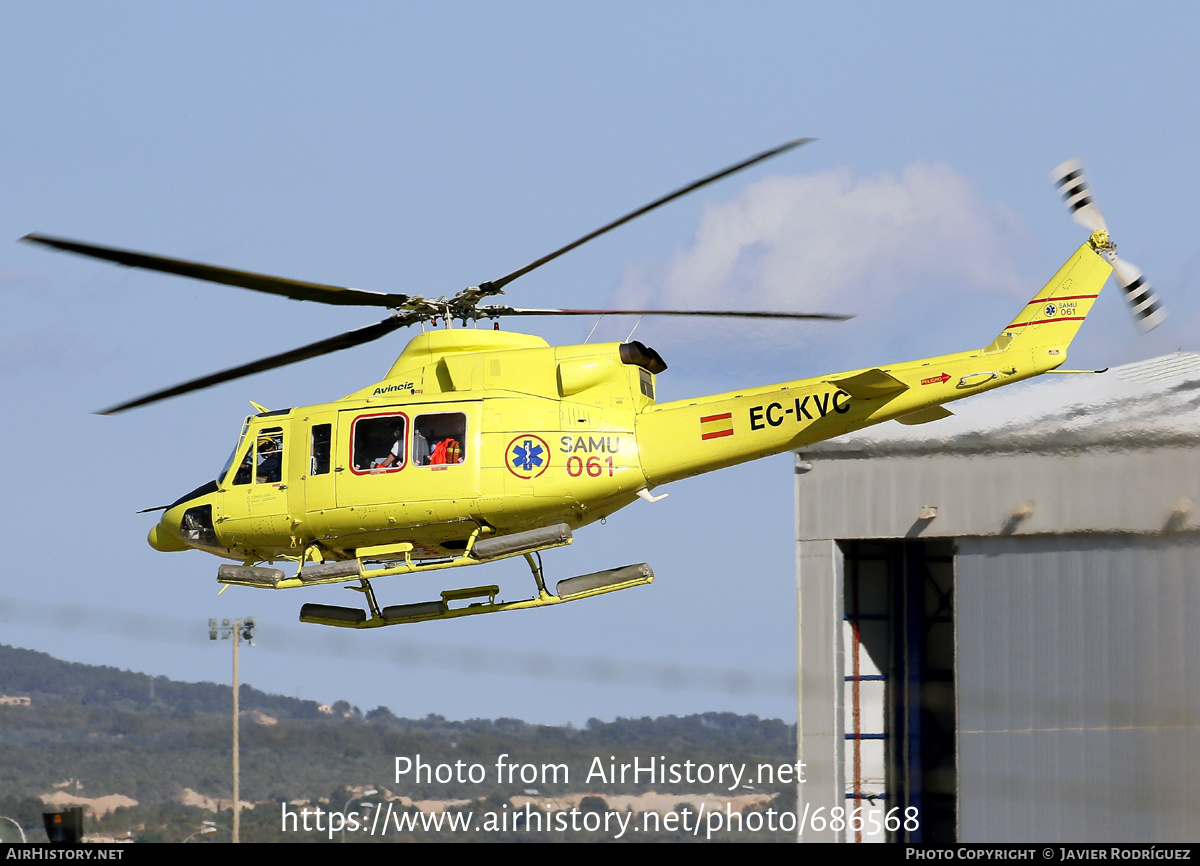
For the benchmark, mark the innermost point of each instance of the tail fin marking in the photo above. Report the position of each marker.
(1053, 316)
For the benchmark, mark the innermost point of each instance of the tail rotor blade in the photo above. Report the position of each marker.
(1072, 184)
(1148, 311)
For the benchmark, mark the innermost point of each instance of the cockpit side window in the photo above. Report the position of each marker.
(440, 440)
(263, 461)
(269, 456)
(269, 449)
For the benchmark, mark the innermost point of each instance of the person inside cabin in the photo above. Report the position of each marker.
(245, 469)
(395, 455)
(270, 459)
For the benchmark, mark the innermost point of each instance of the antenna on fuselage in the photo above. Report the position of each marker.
(634, 328)
(593, 330)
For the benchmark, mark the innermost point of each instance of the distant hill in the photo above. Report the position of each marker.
(106, 731)
(51, 681)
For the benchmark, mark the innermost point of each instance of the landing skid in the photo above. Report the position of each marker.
(385, 560)
(390, 559)
(571, 589)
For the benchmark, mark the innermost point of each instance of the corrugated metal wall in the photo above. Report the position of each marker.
(1078, 688)
(1077, 628)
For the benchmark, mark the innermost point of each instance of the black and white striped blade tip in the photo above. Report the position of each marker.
(1072, 184)
(1147, 310)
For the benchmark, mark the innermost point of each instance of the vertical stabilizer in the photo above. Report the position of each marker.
(1054, 315)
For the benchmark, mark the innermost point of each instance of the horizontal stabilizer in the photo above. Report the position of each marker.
(872, 383)
(924, 416)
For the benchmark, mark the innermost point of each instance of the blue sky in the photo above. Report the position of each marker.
(422, 148)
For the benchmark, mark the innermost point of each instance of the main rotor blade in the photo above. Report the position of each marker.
(295, 289)
(489, 312)
(323, 347)
(495, 286)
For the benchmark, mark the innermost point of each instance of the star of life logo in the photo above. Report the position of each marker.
(527, 456)
(1051, 310)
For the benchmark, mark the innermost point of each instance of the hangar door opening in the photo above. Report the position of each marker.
(899, 702)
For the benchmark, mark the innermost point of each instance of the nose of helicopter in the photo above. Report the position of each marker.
(193, 511)
(165, 535)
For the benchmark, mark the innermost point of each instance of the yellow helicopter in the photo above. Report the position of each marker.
(479, 445)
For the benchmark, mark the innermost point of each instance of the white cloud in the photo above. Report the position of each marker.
(836, 241)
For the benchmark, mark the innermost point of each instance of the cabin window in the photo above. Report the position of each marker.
(318, 455)
(263, 461)
(440, 440)
(378, 443)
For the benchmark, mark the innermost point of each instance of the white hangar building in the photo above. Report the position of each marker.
(999, 615)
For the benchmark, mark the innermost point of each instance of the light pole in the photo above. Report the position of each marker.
(199, 833)
(239, 630)
(345, 808)
(20, 829)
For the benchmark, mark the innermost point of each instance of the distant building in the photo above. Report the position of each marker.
(15, 701)
(998, 613)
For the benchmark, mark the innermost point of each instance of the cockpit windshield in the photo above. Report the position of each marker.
(233, 455)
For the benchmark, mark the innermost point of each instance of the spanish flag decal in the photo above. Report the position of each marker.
(716, 426)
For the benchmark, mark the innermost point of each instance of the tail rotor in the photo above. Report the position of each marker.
(1072, 183)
